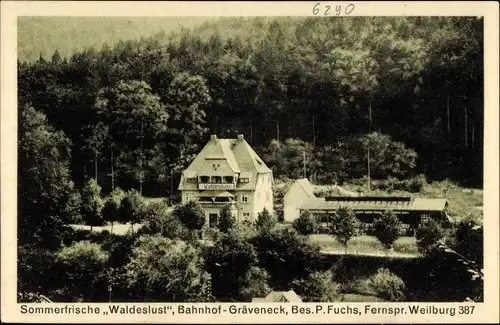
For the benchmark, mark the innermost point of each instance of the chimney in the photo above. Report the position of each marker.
(213, 137)
(241, 137)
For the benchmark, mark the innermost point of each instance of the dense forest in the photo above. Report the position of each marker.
(135, 113)
(314, 97)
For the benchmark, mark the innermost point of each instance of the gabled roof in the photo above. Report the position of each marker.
(247, 158)
(238, 155)
(429, 204)
(376, 203)
(307, 186)
(279, 296)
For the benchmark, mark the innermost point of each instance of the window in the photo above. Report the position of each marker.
(190, 196)
(424, 218)
(268, 196)
(245, 198)
(191, 180)
(244, 180)
(204, 179)
(228, 179)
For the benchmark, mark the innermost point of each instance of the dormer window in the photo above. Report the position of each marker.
(244, 180)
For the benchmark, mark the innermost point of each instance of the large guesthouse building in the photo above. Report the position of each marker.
(228, 172)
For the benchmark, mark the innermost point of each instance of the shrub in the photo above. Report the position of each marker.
(317, 287)
(387, 285)
(469, 240)
(254, 284)
(428, 234)
(286, 256)
(83, 276)
(228, 260)
(157, 220)
(162, 269)
(305, 224)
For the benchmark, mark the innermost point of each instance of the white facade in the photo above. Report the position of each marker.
(300, 192)
(228, 171)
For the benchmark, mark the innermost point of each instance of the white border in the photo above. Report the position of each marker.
(485, 312)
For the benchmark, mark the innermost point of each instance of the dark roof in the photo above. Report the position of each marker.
(375, 203)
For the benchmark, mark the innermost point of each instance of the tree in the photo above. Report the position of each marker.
(317, 287)
(131, 208)
(343, 226)
(112, 204)
(265, 221)
(387, 157)
(428, 235)
(45, 204)
(226, 219)
(305, 224)
(191, 215)
(163, 270)
(387, 228)
(82, 266)
(135, 119)
(286, 256)
(228, 261)
(287, 158)
(92, 204)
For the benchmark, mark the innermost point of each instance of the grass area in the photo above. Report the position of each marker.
(366, 245)
(353, 297)
(118, 228)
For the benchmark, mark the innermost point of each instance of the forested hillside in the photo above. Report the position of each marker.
(133, 114)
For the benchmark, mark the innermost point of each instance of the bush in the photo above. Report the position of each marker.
(387, 285)
(428, 234)
(317, 287)
(305, 224)
(286, 256)
(157, 220)
(469, 240)
(162, 269)
(83, 274)
(413, 185)
(228, 260)
(254, 284)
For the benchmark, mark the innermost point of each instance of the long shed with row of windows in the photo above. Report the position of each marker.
(410, 210)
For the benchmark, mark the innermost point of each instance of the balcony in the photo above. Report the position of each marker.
(216, 183)
(216, 197)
